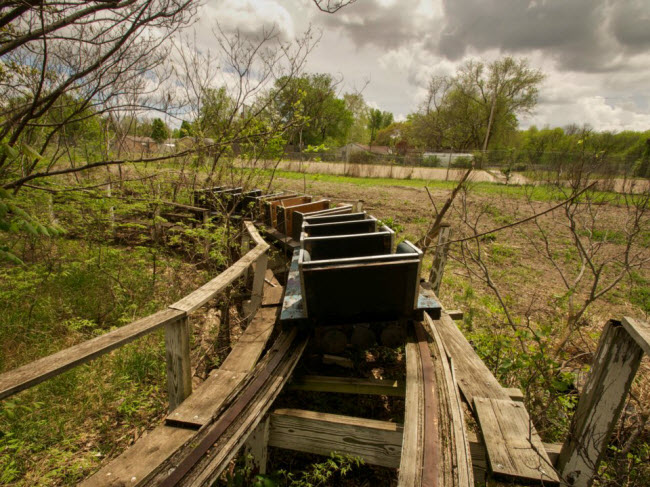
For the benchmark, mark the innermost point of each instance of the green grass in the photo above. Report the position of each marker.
(537, 193)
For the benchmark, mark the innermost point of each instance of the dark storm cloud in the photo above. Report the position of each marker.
(582, 35)
(630, 23)
(385, 26)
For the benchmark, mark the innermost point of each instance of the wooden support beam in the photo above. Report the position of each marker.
(349, 385)
(377, 442)
(258, 283)
(179, 372)
(411, 461)
(256, 447)
(440, 257)
(36, 372)
(455, 314)
(617, 360)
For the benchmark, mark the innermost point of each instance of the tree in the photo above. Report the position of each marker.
(356, 105)
(378, 120)
(159, 130)
(312, 98)
(500, 90)
(185, 130)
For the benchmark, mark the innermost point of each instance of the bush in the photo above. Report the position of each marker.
(462, 162)
(430, 161)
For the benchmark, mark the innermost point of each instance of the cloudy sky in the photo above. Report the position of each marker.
(595, 53)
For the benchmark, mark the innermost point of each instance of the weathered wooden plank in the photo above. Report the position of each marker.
(205, 403)
(349, 385)
(455, 314)
(515, 393)
(440, 258)
(256, 447)
(455, 468)
(258, 282)
(138, 463)
(272, 295)
(640, 331)
(251, 343)
(205, 293)
(617, 360)
(202, 406)
(514, 448)
(179, 368)
(377, 442)
(203, 461)
(36, 372)
(411, 462)
(472, 375)
(480, 462)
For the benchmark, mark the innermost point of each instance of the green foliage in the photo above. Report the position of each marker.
(324, 473)
(312, 100)
(159, 130)
(378, 120)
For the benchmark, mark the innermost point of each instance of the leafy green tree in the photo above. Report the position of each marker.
(356, 105)
(311, 100)
(378, 120)
(159, 130)
(185, 130)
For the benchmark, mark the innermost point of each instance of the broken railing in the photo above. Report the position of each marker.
(177, 330)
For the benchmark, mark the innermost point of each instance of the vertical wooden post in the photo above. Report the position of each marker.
(617, 360)
(440, 257)
(179, 373)
(258, 283)
(256, 447)
(358, 206)
(245, 247)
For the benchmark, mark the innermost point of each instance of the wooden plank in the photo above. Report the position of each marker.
(455, 314)
(515, 393)
(411, 462)
(206, 402)
(137, 464)
(377, 442)
(202, 406)
(455, 468)
(472, 375)
(256, 448)
(251, 344)
(36, 372)
(349, 385)
(202, 462)
(617, 360)
(514, 448)
(258, 283)
(640, 331)
(479, 456)
(272, 295)
(440, 258)
(179, 368)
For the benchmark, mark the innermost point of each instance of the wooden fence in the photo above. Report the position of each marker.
(174, 319)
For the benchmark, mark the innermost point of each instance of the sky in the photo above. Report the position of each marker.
(595, 53)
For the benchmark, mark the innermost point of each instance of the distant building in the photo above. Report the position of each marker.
(354, 148)
(132, 145)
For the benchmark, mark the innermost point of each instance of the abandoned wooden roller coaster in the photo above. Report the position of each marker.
(348, 284)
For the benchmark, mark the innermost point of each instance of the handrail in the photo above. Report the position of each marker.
(33, 373)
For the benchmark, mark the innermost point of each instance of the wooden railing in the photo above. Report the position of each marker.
(174, 319)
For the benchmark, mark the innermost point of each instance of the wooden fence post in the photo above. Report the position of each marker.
(440, 257)
(259, 274)
(599, 407)
(179, 373)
